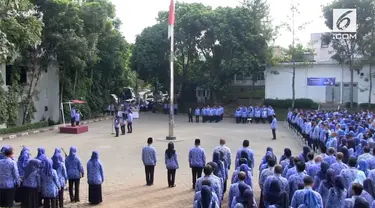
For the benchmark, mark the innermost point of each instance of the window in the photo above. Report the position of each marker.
(323, 44)
(23, 75)
(9, 74)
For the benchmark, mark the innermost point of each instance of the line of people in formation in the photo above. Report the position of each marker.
(122, 121)
(40, 181)
(330, 179)
(208, 114)
(166, 108)
(255, 114)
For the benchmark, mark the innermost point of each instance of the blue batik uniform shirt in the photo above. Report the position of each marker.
(149, 155)
(197, 157)
(73, 165)
(95, 173)
(9, 175)
(197, 112)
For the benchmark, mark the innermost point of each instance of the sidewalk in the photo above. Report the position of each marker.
(50, 128)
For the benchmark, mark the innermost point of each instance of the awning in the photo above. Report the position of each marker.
(77, 102)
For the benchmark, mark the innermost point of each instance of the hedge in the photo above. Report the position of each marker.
(22, 128)
(287, 103)
(361, 105)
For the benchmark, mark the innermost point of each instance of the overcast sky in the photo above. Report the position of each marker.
(138, 14)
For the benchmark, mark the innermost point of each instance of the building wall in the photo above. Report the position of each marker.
(279, 86)
(48, 86)
(47, 105)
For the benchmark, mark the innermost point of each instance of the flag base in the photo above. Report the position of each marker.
(170, 138)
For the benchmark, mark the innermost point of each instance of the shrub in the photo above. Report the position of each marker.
(365, 105)
(25, 127)
(287, 103)
(347, 105)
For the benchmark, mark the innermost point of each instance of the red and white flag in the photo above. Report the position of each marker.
(171, 19)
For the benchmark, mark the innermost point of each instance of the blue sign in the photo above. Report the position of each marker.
(315, 81)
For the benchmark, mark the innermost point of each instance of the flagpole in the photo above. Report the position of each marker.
(171, 78)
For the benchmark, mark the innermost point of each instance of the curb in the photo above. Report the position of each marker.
(51, 128)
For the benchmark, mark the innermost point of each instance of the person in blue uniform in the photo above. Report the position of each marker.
(50, 185)
(250, 113)
(31, 184)
(95, 178)
(274, 127)
(149, 161)
(257, 114)
(204, 114)
(197, 160)
(59, 167)
(217, 115)
(197, 114)
(117, 126)
(212, 114)
(122, 121)
(171, 162)
(130, 122)
(237, 114)
(77, 117)
(73, 116)
(75, 172)
(264, 114)
(9, 178)
(244, 115)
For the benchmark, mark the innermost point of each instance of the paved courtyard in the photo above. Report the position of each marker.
(124, 184)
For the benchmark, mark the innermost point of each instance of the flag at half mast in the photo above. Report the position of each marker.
(171, 19)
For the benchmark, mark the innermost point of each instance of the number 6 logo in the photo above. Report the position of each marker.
(344, 20)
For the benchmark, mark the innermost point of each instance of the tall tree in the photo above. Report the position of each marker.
(293, 28)
(349, 52)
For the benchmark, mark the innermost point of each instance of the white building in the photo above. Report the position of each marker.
(47, 102)
(279, 85)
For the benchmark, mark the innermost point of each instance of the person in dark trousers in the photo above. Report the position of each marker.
(123, 123)
(77, 117)
(171, 162)
(197, 160)
(130, 122)
(274, 127)
(149, 161)
(73, 117)
(190, 115)
(197, 113)
(117, 126)
(75, 172)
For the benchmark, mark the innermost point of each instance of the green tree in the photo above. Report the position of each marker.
(20, 28)
(150, 56)
(348, 52)
(296, 51)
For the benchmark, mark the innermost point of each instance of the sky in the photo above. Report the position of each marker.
(139, 14)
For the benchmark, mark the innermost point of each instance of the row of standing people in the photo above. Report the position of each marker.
(122, 120)
(208, 114)
(41, 181)
(216, 172)
(255, 114)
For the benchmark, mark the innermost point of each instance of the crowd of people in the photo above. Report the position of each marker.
(336, 168)
(255, 114)
(339, 155)
(40, 181)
